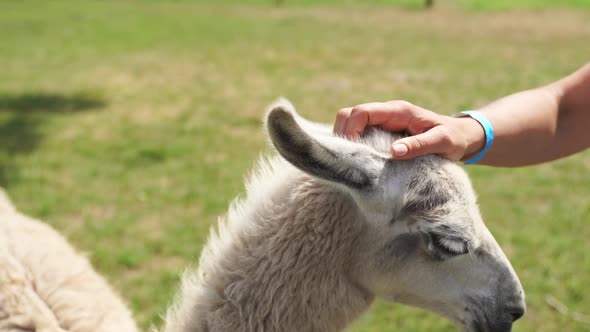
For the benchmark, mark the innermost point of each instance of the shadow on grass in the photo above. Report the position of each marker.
(21, 116)
(39, 102)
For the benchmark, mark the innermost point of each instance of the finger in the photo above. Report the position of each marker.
(434, 141)
(394, 115)
(365, 115)
(341, 118)
(357, 122)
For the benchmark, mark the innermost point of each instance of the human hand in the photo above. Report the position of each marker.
(432, 133)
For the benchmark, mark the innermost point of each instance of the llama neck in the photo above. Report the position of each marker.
(287, 270)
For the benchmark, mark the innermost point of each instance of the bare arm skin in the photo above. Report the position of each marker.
(531, 127)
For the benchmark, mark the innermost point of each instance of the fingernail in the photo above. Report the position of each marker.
(400, 150)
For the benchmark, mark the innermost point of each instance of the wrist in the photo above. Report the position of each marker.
(474, 136)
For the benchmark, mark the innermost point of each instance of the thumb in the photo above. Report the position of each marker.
(433, 141)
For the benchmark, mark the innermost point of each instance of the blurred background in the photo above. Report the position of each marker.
(129, 125)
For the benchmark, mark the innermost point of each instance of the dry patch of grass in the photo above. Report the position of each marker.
(522, 24)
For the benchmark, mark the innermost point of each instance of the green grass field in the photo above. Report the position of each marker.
(129, 125)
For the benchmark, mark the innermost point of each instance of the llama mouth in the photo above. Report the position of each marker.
(479, 326)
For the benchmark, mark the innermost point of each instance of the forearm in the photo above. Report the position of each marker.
(542, 124)
(525, 126)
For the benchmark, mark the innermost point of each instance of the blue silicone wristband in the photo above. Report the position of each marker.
(487, 128)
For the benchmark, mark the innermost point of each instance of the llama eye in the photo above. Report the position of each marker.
(447, 246)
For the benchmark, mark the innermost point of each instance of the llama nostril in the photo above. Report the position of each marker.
(516, 313)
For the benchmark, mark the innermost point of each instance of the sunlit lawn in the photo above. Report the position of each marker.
(129, 125)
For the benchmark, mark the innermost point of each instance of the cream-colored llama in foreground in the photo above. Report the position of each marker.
(330, 224)
(325, 228)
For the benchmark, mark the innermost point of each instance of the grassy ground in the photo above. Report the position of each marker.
(128, 126)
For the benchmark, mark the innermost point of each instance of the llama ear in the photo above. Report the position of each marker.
(314, 150)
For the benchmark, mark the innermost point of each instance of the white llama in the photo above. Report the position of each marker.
(330, 224)
(325, 228)
(45, 286)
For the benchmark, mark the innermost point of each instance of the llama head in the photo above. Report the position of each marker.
(424, 242)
